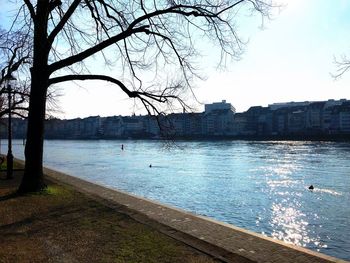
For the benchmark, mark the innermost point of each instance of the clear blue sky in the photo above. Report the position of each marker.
(289, 60)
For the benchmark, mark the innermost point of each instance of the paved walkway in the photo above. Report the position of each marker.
(224, 241)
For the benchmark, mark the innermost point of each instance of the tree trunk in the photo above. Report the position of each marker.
(33, 172)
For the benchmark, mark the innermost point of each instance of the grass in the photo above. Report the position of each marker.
(63, 225)
(3, 166)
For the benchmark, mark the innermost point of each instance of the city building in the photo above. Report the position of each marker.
(223, 105)
(218, 119)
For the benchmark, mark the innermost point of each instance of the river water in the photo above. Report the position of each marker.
(260, 186)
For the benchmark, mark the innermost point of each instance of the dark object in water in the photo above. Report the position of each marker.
(311, 187)
(122, 147)
(150, 166)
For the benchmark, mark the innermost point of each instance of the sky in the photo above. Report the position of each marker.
(290, 59)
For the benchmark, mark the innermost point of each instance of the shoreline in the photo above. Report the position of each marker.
(267, 138)
(221, 240)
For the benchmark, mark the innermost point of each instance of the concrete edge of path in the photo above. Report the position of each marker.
(220, 240)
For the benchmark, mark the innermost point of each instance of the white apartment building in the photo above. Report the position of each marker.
(223, 105)
(218, 118)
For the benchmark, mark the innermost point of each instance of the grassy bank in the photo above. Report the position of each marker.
(63, 225)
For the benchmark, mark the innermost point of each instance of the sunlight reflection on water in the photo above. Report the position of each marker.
(287, 221)
(288, 225)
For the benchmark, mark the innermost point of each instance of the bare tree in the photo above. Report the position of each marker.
(134, 37)
(13, 57)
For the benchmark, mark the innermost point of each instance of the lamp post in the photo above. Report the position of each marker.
(9, 157)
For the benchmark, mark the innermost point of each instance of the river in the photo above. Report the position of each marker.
(260, 186)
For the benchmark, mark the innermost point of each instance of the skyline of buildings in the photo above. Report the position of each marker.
(307, 119)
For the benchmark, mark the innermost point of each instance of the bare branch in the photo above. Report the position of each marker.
(93, 50)
(342, 65)
(30, 8)
(163, 97)
(64, 20)
(56, 80)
